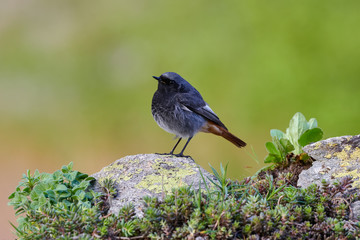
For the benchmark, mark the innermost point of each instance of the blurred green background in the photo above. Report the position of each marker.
(76, 85)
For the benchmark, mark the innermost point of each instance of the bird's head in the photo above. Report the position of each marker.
(172, 82)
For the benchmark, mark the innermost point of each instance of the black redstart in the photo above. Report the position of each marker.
(178, 108)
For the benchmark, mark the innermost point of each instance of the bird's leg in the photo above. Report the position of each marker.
(181, 154)
(172, 151)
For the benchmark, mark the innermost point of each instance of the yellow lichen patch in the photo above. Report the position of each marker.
(158, 183)
(328, 155)
(343, 155)
(332, 145)
(344, 163)
(349, 157)
(132, 161)
(160, 160)
(347, 147)
(317, 145)
(137, 171)
(354, 174)
(186, 165)
(108, 176)
(113, 167)
(355, 154)
(166, 179)
(127, 177)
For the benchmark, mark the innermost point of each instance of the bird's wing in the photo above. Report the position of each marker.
(196, 104)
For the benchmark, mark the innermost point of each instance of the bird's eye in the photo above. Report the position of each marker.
(164, 80)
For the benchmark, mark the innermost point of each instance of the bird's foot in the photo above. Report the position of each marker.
(182, 155)
(165, 154)
(175, 155)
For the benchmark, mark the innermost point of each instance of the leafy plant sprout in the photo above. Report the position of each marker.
(299, 134)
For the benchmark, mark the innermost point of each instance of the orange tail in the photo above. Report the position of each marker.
(211, 127)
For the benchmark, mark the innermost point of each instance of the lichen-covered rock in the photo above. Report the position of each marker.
(355, 206)
(152, 175)
(335, 158)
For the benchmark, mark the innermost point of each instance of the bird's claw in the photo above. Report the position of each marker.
(176, 155)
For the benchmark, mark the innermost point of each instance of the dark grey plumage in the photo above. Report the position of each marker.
(179, 108)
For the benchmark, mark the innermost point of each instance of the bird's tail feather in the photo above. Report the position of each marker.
(232, 138)
(220, 131)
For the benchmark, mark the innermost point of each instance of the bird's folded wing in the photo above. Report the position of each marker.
(196, 104)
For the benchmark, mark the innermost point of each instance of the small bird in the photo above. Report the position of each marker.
(178, 108)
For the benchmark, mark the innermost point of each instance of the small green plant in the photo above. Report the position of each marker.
(299, 133)
(43, 194)
(222, 181)
(108, 187)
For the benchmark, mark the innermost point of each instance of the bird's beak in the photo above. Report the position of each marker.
(157, 78)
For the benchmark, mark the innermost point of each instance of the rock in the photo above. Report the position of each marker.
(334, 158)
(199, 238)
(355, 208)
(152, 175)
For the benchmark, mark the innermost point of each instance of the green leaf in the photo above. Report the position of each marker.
(42, 200)
(297, 126)
(276, 133)
(17, 230)
(90, 179)
(61, 187)
(67, 168)
(27, 190)
(50, 194)
(272, 158)
(71, 176)
(81, 176)
(57, 175)
(12, 196)
(270, 147)
(286, 144)
(312, 123)
(310, 136)
(79, 195)
(64, 194)
(37, 191)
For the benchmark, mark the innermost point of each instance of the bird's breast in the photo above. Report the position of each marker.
(174, 118)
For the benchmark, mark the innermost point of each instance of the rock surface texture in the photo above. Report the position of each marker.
(152, 175)
(334, 158)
